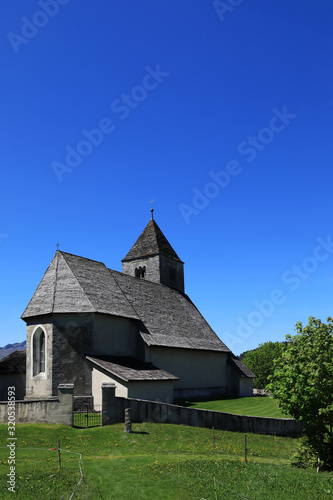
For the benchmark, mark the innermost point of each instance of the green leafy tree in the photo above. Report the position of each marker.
(261, 361)
(303, 384)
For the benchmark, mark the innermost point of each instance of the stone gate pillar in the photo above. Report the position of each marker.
(112, 407)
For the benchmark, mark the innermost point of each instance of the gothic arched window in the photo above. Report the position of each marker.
(38, 352)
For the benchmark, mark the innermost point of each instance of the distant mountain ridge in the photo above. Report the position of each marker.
(9, 348)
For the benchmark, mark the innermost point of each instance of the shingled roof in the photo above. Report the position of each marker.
(73, 284)
(130, 369)
(243, 370)
(151, 242)
(168, 318)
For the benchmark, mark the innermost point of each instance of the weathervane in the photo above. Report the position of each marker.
(57, 245)
(152, 210)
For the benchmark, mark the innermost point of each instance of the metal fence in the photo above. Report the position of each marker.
(88, 416)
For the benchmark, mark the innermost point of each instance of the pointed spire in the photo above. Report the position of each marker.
(151, 242)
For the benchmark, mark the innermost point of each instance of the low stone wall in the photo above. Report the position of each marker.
(55, 410)
(113, 411)
(82, 402)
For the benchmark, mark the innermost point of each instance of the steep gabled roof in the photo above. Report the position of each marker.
(73, 284)
(168, 318)
(130, 369)
(151, 242)
(243, 370)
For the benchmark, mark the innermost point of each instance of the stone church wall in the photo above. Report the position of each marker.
(72, 339)
(41, 384)
(172, 273)
(152, 265)
(55, 410)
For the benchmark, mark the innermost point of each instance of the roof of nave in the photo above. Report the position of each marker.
(168, 318)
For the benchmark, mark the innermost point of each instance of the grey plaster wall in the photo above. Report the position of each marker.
(56, 410)
(113, 411)
(245, 387)
(197, 370)
(154, 390)
(117, 336)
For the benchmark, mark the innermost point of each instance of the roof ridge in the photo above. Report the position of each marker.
(80, 256)
(38, 287)
(55, 280)
(122, 291)
(77, 279)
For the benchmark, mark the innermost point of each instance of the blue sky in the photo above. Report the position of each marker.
(221, 112)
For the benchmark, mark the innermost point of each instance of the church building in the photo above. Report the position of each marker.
(87, 324)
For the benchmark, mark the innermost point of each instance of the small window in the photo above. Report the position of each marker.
(172, 275)
(140, 272)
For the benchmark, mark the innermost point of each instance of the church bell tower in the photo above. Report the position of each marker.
(152, 258)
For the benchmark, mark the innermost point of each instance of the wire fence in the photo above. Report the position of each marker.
(43, 471)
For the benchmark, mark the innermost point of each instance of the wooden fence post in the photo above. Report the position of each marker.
(59, 453)
(128, 423)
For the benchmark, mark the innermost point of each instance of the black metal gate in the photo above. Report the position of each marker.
(87, 416)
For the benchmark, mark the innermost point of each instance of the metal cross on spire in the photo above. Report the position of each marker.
(57, 245)
(152, 210)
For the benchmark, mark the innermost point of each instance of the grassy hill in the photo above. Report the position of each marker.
(254, 406)
(156, 461)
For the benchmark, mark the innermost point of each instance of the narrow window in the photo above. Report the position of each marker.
(42, 352)
(172, 275)
(38, 352)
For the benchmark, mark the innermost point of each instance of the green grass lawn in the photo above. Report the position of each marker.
(253, 406)
(156, 461)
